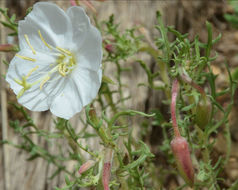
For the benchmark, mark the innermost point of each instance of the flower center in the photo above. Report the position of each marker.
(65, 64)
(65, 61)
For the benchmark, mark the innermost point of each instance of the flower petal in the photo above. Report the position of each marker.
(87, 39)
(80, 24)
(82, 87)
(36, 70)
(37, 99)
(92, 48)
(68, 102)
(87, 83)
(53, 24)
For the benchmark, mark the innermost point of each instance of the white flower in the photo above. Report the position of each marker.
(58, 65)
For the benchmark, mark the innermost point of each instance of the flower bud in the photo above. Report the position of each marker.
(203, 113)
(109, 48)
(86, 166)
(93, 115)
(73, 3)
(7, 48)
(181, 153)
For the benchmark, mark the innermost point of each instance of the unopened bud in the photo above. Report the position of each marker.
(159, 84)
(203, 113)
(93, 115)
(181, 153)
(7, 48)
(86, 166)
(73, 3)
(109, 48)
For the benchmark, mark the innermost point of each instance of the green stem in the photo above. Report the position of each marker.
(228, 142)
(75, 143)
(126, 113)
(162, 66)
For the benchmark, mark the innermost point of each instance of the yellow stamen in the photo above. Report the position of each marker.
(18, 81)
(23, 82)
(44, 81)
(20, 93)
(31, 71)
(64, 51)
(43, 40)
(61, 72)
(28, 42)
(25, 58)
(26, 86)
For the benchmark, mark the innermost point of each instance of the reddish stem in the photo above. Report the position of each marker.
(175, 86)
(89, 5)
(193, 84)
(106, 175)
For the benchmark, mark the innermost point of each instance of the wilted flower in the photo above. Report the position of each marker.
(179, 144)
(58, 66)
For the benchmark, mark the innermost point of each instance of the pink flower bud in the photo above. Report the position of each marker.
(181, 153)
(110, 48)
(86, 166)
(73, 3)
(7, 48)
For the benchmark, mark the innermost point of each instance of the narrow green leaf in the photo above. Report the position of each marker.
(107, 80)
